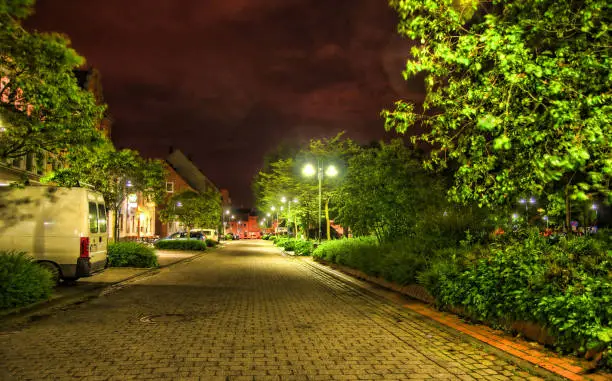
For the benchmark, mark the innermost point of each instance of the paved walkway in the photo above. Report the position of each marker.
(243, 313)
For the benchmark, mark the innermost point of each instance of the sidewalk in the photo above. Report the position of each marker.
(91, 287)
(571, 368)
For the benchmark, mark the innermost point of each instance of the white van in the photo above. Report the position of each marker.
(64, 229)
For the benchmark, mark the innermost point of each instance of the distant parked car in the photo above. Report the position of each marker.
(183, 235)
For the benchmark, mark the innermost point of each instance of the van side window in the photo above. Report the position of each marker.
(93, 217)
(102, 217)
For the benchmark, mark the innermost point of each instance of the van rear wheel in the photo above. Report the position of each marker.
(55, 272)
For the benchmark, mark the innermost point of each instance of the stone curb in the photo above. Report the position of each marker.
(29, 313)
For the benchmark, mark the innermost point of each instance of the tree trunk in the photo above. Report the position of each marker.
(116, 223)
(568, 210)
(327, 219)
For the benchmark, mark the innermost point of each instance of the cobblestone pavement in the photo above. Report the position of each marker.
(242, 313)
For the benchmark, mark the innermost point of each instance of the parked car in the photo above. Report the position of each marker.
(183, 235)
(63, 229)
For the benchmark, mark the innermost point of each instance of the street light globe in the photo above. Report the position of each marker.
(594, 206)
(268, 214)
(227, 212)
(308, 170)
(273, 208)
(284, 199)
(295, 200)
(331, 171)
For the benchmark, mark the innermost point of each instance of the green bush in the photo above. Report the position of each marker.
(211, 243)
(131, 254)
(565, 286)
(303, 247)
(229, 237)
(22, 281)
(181, 244)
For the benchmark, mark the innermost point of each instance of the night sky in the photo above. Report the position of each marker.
(228, 80)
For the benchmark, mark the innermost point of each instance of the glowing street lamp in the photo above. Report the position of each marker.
(309, 170)
(527, 202)
(227, 212)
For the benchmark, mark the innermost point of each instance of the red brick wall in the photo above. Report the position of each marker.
(180, 185)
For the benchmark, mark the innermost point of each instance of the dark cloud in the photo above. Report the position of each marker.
(227, 80)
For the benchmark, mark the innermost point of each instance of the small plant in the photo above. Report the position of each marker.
(22, 281)
(210, 242)
(131, 254)
(187, 244)
(229, 237)
(303, 247)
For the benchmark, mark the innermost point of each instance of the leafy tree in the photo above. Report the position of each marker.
(386, 192)
(335, 151)
(279, 179)
(193, 209)
(284, 177)
(518, 95)
(113, 173)
(41, 104)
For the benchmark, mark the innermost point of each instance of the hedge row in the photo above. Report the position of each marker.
(181, 244)
(131, 254)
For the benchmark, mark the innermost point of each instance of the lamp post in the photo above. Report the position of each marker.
(274, 209)
(283, 200)
(309, 170)
(227, 212)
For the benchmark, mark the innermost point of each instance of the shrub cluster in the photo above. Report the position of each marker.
(131, 254)
(229, 237)
(398, 262)
(564, 286)
(298, 246)
(181, 244)
(22, 281)
(211, 243)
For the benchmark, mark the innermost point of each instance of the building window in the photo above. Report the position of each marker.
(170, 187)
(29, 162)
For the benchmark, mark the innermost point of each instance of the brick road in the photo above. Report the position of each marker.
(243, 313)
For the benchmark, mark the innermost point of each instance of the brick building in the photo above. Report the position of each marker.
(183, 174)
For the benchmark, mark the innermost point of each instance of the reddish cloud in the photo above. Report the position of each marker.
(227, 80)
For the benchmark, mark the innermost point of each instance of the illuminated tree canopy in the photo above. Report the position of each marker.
(518, 94)
(41, 104)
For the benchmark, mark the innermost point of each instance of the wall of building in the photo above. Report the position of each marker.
(174, 184)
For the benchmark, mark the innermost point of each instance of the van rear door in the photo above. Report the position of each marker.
(97, 234)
